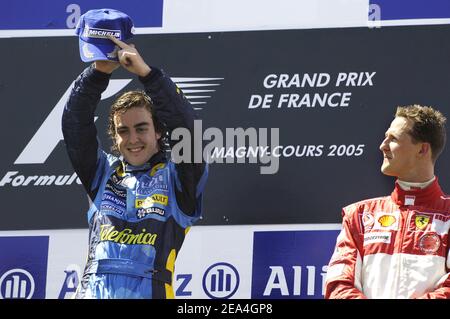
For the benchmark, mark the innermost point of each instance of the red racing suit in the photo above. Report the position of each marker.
(393, 247)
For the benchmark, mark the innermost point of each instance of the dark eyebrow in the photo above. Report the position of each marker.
(141, 124)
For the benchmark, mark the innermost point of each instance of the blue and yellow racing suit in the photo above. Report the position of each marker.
(139, 215)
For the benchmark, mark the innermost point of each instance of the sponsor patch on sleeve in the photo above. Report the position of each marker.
(335, 271)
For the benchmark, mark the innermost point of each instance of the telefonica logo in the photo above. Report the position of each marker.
(49, 134)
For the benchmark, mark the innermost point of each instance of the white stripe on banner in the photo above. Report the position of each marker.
(191, 16)
(183, 16)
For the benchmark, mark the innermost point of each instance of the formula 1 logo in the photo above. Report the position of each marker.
(16, 284)
(221, 281)
(49, 134)
(197, 90)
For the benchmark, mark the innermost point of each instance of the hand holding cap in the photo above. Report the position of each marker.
(130, 58)
(94, 30)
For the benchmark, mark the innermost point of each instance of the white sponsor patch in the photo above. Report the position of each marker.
(439, 225)
(377, 237)
(367, 220)
(335, 271)
(410, 199)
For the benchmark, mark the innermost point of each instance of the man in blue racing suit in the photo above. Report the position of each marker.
(142, 203)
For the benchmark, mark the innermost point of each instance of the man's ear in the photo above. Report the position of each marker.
(158, 135)
(425, 148)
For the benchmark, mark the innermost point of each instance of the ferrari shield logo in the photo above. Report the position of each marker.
(422, 221)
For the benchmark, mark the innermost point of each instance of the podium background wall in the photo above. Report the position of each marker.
(295, 211)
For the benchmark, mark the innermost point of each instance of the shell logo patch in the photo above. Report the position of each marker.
(387, 220)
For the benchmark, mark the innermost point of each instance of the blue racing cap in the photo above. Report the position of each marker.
(93, 28)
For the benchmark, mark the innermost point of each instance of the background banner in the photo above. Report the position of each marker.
(239, 262)
(49, 14)
(319, 101)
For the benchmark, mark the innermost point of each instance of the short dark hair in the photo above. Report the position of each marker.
(428, 126)
(127, 101)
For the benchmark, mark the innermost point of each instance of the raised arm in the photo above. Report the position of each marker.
(78, 126)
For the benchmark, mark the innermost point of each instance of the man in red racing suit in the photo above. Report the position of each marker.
(398, 246)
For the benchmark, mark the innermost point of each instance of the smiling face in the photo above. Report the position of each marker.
(135, 135)
(401, 154)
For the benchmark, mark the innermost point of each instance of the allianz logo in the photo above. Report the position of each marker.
(277, 283)
(220, 281)
(17, 284)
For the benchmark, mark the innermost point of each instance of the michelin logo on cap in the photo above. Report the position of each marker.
(100, 33)
(94, 28)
